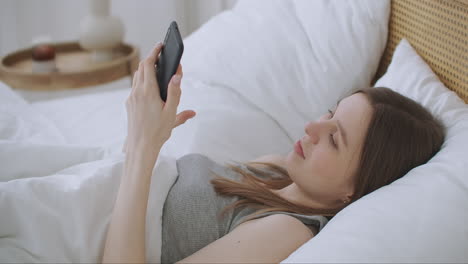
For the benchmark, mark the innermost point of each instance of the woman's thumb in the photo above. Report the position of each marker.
(183, 116)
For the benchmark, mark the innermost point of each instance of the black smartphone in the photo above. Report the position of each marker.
(169, 59)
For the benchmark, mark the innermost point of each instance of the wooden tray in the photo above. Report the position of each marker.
(75, 68)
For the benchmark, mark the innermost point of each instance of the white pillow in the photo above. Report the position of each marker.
(226, 128)
(291, 59)
(421, 217)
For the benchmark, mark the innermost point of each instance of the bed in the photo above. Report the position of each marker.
(418, 48)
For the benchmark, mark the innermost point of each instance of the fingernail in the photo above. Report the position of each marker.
(159, 44)
(177, 79)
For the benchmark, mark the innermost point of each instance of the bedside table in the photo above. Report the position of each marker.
(75, 70)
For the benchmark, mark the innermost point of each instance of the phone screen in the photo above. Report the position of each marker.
(169, 59)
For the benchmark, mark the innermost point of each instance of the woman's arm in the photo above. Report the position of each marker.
(150, 123)
(126, 234)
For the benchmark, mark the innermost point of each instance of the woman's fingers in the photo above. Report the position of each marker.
(179, 69)
(135, 76)
(174, 93)
(183, 117)
(141, 75)
(149, 63)
(153, 56)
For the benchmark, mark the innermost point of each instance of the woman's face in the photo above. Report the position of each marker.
(331, 149)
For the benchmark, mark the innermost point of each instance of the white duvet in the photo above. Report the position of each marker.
(56, 197)
(63, 217)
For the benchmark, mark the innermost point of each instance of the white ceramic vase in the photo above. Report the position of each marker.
(100, 33)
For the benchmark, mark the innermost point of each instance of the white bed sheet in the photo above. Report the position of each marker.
(97, 120)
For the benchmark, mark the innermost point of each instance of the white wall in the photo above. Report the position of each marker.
(145, 21)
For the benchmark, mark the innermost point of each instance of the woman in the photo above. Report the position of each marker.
(274, 204)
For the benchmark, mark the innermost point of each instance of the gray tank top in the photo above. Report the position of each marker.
(191, 215)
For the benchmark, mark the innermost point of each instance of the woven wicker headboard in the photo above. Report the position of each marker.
(438, 30)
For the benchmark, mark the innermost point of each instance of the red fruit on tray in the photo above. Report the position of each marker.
(43, 53)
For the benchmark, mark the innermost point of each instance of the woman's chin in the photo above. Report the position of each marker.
(292, 158)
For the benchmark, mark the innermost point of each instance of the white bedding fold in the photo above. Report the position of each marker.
(64, 217)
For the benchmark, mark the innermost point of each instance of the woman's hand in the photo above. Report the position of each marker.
(150, 123)
(151, 120)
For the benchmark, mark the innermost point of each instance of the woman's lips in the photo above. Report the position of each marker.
(298, 149)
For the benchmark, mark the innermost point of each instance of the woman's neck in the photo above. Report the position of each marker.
(295, 195)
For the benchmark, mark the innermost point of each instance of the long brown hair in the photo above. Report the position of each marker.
(401, 135)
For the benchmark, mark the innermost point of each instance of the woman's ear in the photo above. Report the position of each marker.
(346, 200)
(348, 196)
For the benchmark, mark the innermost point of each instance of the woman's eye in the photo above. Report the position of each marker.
(332, 141)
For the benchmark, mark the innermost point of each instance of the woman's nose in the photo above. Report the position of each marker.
(311, 129)
(315, 130)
